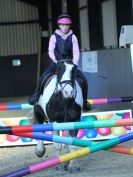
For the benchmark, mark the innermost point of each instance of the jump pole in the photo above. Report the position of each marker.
(122, 150)
(69, 156)
(97, 101)
(65, 126)
(73, 141)
(15, 106)
(100, 101)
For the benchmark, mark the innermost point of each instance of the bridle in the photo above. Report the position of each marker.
(63, 83)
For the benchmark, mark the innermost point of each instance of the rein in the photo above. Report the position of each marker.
(64, 60)
(65, 82)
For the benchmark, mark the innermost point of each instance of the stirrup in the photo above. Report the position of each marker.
(87, 107)
(33, 99)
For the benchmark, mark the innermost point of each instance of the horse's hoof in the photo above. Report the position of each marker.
(73, 169)
(60, 168)
(40, 153)
(66, 166)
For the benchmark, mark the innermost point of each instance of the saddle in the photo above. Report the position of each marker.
(46, 81)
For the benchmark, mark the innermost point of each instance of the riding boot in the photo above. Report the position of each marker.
(86, 106)
(34, 98)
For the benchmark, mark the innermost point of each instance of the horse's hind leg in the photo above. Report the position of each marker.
(39, 119)
(73, 166)
(58, 147)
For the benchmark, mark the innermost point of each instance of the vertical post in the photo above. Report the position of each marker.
(131, 51)
(39, 53)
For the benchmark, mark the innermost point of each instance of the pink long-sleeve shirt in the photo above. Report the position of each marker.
(52, 45)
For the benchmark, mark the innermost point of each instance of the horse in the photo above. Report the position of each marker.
(61, 100)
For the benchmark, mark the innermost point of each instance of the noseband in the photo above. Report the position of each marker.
(66, 82)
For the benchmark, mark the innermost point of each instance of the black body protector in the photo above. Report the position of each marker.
(63, 47)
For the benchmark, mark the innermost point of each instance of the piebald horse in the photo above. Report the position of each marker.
(61, 100)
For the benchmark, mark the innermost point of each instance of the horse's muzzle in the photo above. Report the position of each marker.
(68, 92)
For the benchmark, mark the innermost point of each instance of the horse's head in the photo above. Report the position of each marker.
(66, 75)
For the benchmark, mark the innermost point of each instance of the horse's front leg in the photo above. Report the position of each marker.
(73, 166)
(40, 148)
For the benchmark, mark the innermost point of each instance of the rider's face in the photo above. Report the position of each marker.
(64, 28)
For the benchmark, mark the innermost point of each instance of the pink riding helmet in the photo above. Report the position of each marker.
(64, 19)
